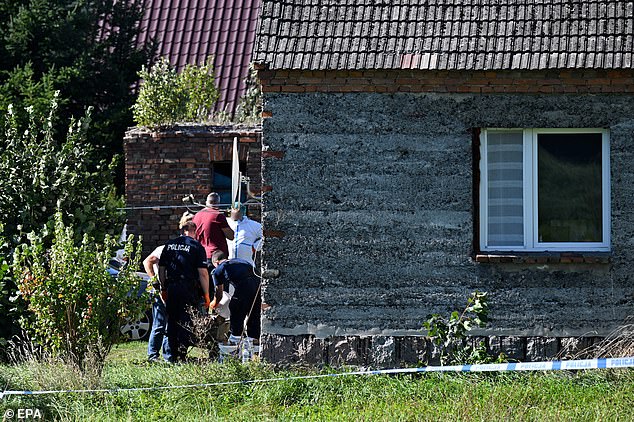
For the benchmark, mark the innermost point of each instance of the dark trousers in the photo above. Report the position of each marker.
(245, 298)
(182, 303)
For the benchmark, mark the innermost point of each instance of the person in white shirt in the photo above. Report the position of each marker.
(159, 317)
(248, 235)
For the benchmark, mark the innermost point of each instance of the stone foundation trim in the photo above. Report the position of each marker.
(396, 351)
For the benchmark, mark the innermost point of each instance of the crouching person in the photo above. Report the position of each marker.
(246, 300)
(183, 279)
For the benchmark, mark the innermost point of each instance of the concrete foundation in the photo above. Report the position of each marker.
(390, 352)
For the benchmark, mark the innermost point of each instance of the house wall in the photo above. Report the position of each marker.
(370, 213)
(163, 167)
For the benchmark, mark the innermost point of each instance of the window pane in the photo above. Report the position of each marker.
(221, 176)
(569, 187)
(505, 197)
(225, 197)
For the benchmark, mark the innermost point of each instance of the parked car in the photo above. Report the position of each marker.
(136, 328)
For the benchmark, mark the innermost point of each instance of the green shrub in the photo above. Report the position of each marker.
(198, 84)
(167, 97)
(76, 307)
(42, 170)
(449, 334)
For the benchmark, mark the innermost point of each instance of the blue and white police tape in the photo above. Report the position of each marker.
(607, 363)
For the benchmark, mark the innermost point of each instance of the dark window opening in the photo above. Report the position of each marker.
(221, 180)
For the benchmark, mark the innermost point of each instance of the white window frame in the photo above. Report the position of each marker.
(530, 195)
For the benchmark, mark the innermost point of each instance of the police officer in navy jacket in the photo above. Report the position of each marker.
(184, 282)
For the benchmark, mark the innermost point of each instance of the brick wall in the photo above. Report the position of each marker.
(163, 167)
(390, 81)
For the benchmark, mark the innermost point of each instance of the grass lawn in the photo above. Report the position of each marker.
(587, 396)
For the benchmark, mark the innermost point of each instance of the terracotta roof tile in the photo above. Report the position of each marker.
(446, 34)
(189, 31)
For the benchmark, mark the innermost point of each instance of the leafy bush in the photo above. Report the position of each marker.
(198, 84)
(167, 97)
(40, 174)
(449, 334)
(161, 100)
(76, 306)
(41, 171)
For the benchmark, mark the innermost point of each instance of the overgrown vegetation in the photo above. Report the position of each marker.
(60, 60)
(249, 108)
(5, 293)
(43, 171)
(591, 395)
(167, 96)
(450, 334)
(76, 308)
(85, 49)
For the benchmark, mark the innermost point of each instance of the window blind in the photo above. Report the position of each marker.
(505, 193)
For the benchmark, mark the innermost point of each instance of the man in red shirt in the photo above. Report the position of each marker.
(212, 229)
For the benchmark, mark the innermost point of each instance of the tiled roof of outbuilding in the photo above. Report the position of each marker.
(188, 31)
(446, 34)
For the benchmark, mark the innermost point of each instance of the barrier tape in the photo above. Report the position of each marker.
(607, 363)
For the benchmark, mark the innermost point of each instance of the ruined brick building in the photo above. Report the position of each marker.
(163, 166)
(417, 151)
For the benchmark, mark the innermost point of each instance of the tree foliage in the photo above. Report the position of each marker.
(40, 174)
(86, 49)
(167, 96)
(61, 60)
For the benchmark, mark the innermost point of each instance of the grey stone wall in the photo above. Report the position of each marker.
(374, 196)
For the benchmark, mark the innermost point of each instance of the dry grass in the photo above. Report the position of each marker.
(620, 343)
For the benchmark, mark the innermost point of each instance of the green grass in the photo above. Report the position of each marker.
(585, 396)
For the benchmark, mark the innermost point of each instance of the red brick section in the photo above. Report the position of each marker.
(163, 167)
(480, 82)
(274, 233)
(273, 154)
(544, 258)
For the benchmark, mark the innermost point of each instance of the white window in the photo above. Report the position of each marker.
(544, 190)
